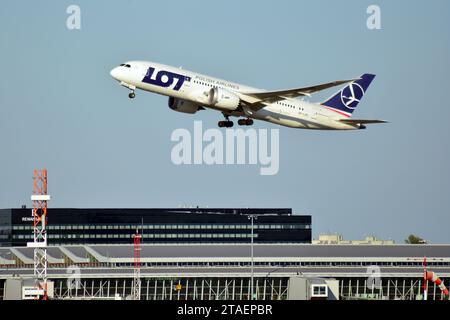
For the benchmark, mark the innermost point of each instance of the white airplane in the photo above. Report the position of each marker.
(190, 92)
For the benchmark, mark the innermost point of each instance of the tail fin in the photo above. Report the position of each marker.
(346, 100)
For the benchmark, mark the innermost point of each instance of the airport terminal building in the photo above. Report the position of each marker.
(179, 225)
(214, 271)
(203, 254)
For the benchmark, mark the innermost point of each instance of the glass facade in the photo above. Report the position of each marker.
(103, 226)
(267, 288)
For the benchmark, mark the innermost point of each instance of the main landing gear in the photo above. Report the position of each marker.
(131, 95)
(245, 122)
(227, 123)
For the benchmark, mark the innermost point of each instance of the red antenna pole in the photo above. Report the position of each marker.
(137, 266)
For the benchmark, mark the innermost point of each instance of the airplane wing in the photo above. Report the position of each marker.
(259, 99)
(361, 121)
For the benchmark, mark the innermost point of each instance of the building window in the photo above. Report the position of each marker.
(319, 291)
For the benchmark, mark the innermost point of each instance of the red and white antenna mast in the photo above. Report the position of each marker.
(40, 198)
(137, 266)
(425, 281)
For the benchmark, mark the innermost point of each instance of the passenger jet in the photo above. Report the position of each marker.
(190, 92)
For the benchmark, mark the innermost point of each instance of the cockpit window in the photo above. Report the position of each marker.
(125, 65)
(122, 64)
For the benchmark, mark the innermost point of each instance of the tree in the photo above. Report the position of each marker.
(413, 239)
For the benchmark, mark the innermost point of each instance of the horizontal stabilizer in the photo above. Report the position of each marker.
(361, 121)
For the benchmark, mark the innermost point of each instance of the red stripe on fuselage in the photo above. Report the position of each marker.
(340, 112)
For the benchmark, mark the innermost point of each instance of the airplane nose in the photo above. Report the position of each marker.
(115, 73)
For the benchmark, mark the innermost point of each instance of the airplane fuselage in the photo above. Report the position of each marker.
(195, 88)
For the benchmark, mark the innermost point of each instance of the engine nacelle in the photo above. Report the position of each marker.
(183, 105)
(223, 99)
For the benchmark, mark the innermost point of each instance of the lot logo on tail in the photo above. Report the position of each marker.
(351, 95)
(346, 100)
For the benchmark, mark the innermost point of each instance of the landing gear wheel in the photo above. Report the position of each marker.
(226, 124)
(131, 95)
(245, 122)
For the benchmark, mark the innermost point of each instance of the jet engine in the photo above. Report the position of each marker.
(183, 105)
(223, 99)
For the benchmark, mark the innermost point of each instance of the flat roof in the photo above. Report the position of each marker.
(189, 210)
(227, 260)
(240, 250)
(277, 250)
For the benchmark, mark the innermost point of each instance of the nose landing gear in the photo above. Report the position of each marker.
(130, 87)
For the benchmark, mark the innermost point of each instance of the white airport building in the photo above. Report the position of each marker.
(224, 271)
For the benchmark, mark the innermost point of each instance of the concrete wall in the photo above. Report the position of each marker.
(300, 288)
(13, 289)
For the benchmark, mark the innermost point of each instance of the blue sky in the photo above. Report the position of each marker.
(59, 108)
